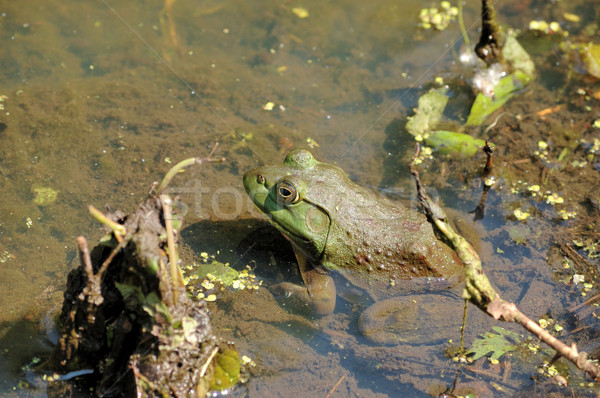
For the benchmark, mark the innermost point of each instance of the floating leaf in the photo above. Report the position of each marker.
(497, 343)
(506, 88)
(300, 12)
(222, 272)
(429, 111)
(227, 369)
(453, 143)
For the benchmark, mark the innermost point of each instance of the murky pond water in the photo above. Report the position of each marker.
(100, 97)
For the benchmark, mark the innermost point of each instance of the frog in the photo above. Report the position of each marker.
(339, 228)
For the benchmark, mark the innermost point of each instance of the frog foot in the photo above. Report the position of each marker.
(299, 296)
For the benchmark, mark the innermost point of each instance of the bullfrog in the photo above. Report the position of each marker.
(338, 227)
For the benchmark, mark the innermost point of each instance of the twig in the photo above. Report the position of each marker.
(119, 230)
(93, 292)
(501, 309)
(176, 281)
(208, 361)
(84, 256)
(336, 386)
(172, 32)
(480, 209)
(585, 303)
(489, 48)
(462, 327)
(461, 24)
(112, 255)
(488, 164)
(182, 165)
(480, 292)
(140, 376)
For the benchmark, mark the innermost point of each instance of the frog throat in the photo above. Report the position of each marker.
(311, 239)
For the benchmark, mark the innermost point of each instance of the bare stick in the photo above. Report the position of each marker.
(112, 255)
(182, 165)
(84, 256)
(504, 310)
(118, 229)
(479, 291)
(208, 361)
(176, 280)
(336, 386)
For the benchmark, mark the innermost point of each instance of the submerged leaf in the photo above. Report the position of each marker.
(227, 369)
(429, 111)
(506, 88)
(517, 57)
(453, 143)
(222, 272)
(44, 196)
(427, 115)
(590, 53)
(497, 343)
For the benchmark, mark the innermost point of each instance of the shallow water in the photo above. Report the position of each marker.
(101, 97)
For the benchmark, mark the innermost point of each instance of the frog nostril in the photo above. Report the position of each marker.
(260, 179)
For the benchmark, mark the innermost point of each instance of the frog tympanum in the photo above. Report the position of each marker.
(336, 226)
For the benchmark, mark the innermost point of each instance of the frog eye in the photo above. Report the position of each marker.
(260, 179)
(286, 192)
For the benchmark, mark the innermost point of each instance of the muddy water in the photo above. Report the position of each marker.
(101, 97)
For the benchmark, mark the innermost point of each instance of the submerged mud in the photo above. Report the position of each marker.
(94, 114)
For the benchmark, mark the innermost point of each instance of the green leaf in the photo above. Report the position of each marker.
(497, 343)
(222, 272)
(154, 306)
(429, 111)
(132, 295)
(506, 88)
(43, 196)
(453, 143)
(227, 369)
(517, 57)
(590, 55)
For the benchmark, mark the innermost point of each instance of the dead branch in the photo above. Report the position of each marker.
(479, 291)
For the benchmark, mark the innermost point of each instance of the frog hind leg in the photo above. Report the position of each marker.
(320, 285)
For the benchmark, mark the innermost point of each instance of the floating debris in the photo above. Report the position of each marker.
(6, 256)
(300, 12)
(548, 28)
(438, 19)
(311, 143)
(205, 280)
(521, 215)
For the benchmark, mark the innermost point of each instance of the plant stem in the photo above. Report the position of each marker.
(118, 229)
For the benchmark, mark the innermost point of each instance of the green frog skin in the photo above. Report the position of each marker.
(337, 226)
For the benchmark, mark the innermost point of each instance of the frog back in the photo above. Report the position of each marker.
(384, 247)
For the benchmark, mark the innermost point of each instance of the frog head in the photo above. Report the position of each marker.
(299, 197)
